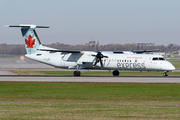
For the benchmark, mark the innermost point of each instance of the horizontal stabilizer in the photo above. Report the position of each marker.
(26, 26)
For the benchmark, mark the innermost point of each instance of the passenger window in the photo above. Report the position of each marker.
(155, 59)
(122, 60)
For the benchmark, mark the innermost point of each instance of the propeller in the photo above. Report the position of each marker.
(99, 57)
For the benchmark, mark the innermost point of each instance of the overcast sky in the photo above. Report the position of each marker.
(108, 21)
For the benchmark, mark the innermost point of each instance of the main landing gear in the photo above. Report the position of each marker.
(165, 74)
(115, 73)
(77, 73)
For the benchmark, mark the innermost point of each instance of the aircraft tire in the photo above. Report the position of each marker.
(165, 74)
(115, 73)
(77, 73)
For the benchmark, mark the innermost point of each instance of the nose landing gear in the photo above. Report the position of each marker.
(165, 74)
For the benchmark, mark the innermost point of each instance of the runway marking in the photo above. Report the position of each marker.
(74, 103)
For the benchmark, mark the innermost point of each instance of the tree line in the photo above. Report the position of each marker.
(19, 49)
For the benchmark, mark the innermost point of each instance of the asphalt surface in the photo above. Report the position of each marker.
(90, 79)
(3, 72)
(19, 63)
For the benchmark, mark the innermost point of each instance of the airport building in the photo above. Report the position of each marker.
(92, 42)
(147, 44)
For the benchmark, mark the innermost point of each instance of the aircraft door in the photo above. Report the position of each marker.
(150, 60)
(62, 62)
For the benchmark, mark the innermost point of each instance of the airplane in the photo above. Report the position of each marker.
(106, 60)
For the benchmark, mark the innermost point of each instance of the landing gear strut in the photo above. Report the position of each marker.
(165, 74)
(115, 73)
(77, 73)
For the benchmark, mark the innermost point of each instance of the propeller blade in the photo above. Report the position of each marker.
(96, 62)
(103, 48)
(101, 63)
(105, 56)
(97, 47)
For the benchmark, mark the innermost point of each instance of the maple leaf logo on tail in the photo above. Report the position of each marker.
(30, 42)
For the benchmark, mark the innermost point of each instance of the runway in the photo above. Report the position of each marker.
(90, 79)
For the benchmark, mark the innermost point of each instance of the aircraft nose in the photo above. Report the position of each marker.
(171, 67)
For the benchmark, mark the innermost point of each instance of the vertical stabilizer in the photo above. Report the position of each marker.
(32, 42)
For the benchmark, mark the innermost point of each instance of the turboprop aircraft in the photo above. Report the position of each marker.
(106, 60)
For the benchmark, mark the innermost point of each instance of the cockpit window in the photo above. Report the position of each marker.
(155, 59)
(161, 59)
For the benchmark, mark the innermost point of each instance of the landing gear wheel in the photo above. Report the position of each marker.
(115, 73)
(77, 73)
(165, 74)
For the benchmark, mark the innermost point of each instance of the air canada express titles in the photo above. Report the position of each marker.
(131, 65)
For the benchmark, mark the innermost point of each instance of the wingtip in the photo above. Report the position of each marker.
(6, 26)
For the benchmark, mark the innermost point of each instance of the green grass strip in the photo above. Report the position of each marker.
(90, 93)
(156, 100)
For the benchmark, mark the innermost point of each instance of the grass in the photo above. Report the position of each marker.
(98, 73)
(87, 112)
(98, 101)
(90, 93)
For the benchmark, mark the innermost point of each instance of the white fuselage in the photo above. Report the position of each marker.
(85, 60)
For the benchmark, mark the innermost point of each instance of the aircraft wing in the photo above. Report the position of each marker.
(116, 52)
(67, 51)
(143, 51)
